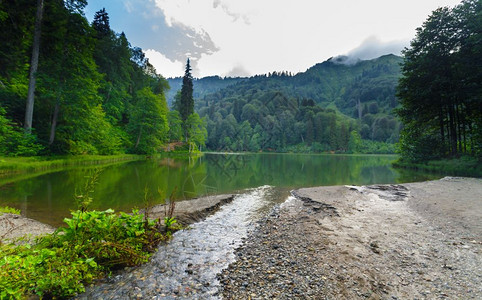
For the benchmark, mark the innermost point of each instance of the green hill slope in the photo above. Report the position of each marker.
(319, 109)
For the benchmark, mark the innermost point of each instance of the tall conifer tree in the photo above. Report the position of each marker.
(186, 107)
(187, 101)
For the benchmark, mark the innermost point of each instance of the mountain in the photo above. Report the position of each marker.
(202, 86)
(317, 110)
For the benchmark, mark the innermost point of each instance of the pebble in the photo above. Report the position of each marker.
(187, 266)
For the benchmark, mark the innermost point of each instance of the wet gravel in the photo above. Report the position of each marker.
(377, 242)
(187, 266)
(279, 261)
(365, 243)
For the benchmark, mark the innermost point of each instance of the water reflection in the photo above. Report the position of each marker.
(50, 197)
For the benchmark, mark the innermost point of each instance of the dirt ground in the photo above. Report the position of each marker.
(410, 241)
(14, 226)
(417, 240)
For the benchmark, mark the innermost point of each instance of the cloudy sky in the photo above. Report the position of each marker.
(248, 37)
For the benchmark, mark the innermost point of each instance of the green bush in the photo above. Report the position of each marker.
(14, 142)
(91, 245)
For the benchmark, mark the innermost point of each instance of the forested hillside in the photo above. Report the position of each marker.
(70, 87)
(333, 106)
(88, 91)
(202, 86)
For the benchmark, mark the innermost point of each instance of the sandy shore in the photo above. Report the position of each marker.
(410, 241)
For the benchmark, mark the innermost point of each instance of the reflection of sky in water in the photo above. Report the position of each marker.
(50, 197)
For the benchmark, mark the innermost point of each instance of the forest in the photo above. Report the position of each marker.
(70, 87)
(440, 91)
(332, 107)
(91, 92)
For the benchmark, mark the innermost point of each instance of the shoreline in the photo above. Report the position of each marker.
(187, 212)
(395, 241)
(390, 241)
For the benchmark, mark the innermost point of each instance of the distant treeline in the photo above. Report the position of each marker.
(332, 107)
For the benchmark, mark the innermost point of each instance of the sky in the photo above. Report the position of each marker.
(249, 37)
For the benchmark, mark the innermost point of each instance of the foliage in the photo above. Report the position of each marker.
(9, 210)
(169, 223)
(14, 142)
(318, 109)
(186, 104)
(463, 166)
(185, 123)
(92, 243)
(201, 86)
(175, 125)
(196, 131)
(441, 86)
(149, 123)
(90, 83)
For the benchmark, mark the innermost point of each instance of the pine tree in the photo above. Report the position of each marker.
(101, 23)
(186, 105)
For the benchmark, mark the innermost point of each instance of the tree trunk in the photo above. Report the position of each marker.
(138, 138)
(33, 67)
(53, 127)
(459, 128)
(442, 132)
(453, 130)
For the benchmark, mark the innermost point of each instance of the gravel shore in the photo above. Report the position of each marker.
(411, 241)
(406, 241)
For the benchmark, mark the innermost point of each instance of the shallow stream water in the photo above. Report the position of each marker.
(187, 266)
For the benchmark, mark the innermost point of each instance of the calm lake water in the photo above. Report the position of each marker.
(50, 197)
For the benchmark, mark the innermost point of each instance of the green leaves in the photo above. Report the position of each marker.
(60, 265)
(148, 124)
(89, 85)
(169, 222)
(440, 85)
(9, 210)
(14, 142)
(196, 132)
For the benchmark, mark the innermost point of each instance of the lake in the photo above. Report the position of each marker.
(50, 197)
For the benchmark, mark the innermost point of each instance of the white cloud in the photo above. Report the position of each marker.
(269, 35)
(373, 47)
(128, 6)
(237, 71)
(163, 65)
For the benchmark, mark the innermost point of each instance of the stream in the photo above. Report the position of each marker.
(187, 266)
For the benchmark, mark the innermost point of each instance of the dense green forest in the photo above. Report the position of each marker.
(201, 86)
(441, 88)
(333, 106)
(88, 91)
(70, 87)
